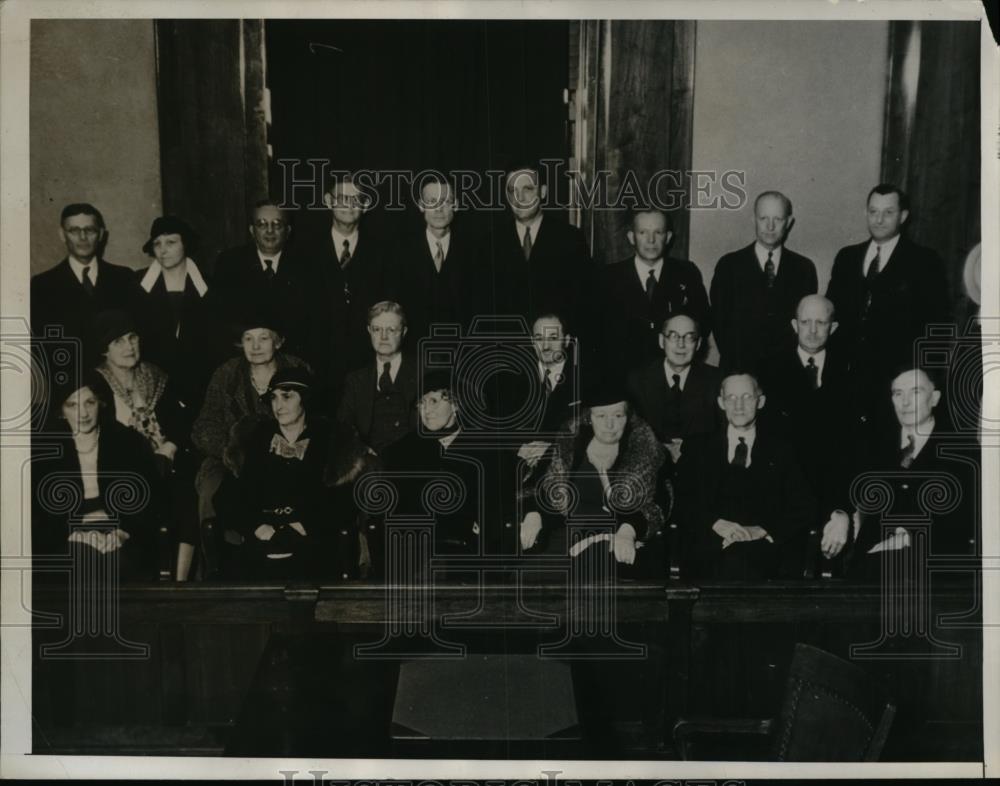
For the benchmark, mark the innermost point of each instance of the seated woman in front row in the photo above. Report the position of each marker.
(290, 500)
(610, 459)
(237, 393)
(97, 496)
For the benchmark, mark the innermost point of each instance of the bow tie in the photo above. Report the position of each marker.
(285, 449)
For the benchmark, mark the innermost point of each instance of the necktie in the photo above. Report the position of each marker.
(813, 370)
(769, 269)
(385, 378)
(547, 382)
(345, 254)
(439, 257)
(88, 282)
(526, 246)
(873, 267)
(650, 285)
(676, 379)
(906, 453)
(269, 269)
(741, 454)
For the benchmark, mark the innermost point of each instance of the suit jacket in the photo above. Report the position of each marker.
(821, 425)
(693, 413)
(358, 400)
(752, 321)
(632, 322)
(340, 301)
(909, 293)
(772, 494)
(949, 465)
(242, 288)
(558, 277)
(428, 296)
(58, 299)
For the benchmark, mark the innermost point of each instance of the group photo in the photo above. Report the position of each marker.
(505, 389)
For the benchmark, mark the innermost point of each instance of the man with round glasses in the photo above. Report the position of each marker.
(744, 502)
(676, 393)
(70, 295)
(266, 275)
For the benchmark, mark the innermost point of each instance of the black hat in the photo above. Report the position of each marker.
(436, 379)
(604, 392)
(291, 378)
(255, 315)
(109, 325)
(170, 225)
(63, 385)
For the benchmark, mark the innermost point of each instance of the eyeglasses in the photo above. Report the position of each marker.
(79, 232)
(745, 398)
(349, 201)
(680, 338)
(277, 223)
(385, 331)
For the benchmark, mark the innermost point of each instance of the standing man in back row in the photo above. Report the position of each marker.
(639, 293)
(886, 291)
(756, 290)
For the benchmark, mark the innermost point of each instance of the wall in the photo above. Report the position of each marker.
(94, 134)
(799, 107)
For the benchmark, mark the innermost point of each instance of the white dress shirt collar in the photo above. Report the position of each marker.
(920, 436)
(338, 242)
(669, 372)
(433, 240)
(555, 371)
(394, 363)
(535, 224)
(819, 359)
(275, 258)
(761, 252)
(885, 254)
(447, 440)
(77, 267)
(642, 269)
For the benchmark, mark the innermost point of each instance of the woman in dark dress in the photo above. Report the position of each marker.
(178, 313)
(291, 501)
(236, 394)
(144, 399)
(97, 495)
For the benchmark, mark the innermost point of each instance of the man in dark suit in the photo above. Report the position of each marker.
(267, 274)
(70, 295)
(920, 456)
(809, 401)
(380, 398)
(886, 290)
(745, 499)
(677, 395)
(538, 262)
(348, 279)
(756, 290)
(433, 274)
(640, 292)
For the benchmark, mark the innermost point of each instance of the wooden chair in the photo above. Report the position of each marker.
(832, 711)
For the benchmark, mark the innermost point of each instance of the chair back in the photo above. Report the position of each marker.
(832, 710)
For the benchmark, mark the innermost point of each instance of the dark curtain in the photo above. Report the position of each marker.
(932, 139)
(212, 148)
(413, 95)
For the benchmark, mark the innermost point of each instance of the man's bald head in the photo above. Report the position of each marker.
(814, 323)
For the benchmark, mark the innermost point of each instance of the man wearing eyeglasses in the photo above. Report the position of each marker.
(743, 499)
(379, 398)
(70, 295)
(640, 292)
(677, 394)
(347, 264)
(755, 290)
(267, 275)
